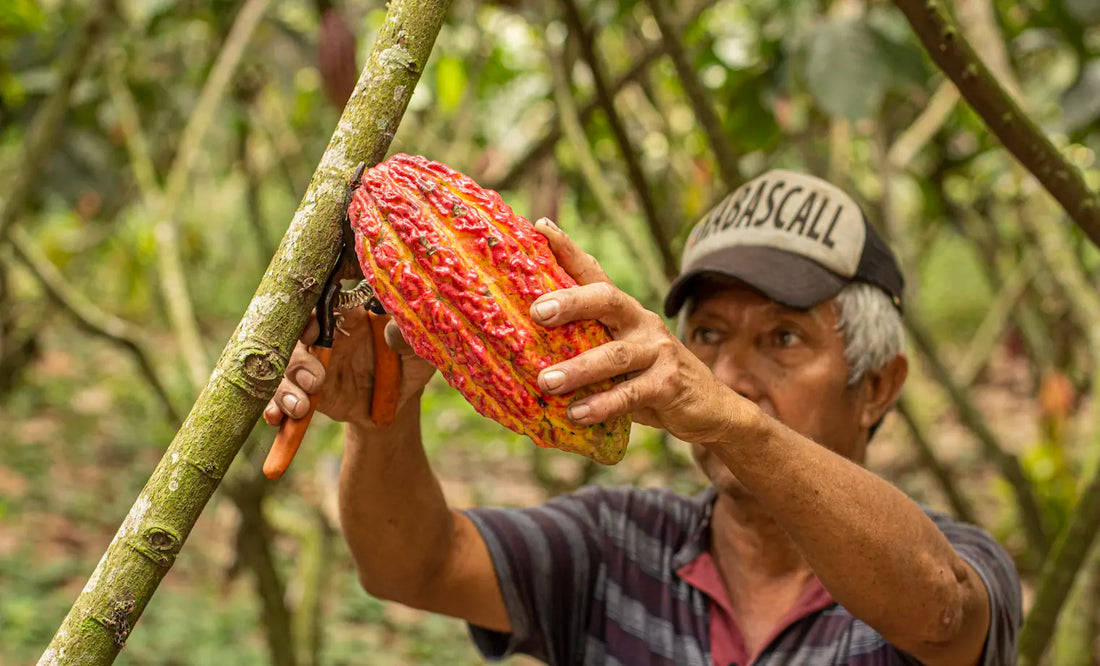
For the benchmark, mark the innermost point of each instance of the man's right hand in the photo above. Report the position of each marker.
(345, 389)
(443, 565)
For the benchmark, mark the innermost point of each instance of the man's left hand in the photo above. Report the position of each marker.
(666, 385)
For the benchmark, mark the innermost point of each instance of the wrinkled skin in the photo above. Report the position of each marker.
(762, 392)
(788, 363)
(350, 376)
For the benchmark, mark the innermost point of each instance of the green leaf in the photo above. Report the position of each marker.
(748, 120)
(450, 82)
(846, 71)
(20, 16)
(908, 64)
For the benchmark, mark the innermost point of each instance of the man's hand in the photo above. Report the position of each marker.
(350, 377)
(667, 386)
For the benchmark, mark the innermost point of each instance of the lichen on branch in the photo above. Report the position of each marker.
(255, 356)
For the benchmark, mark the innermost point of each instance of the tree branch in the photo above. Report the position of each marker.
(593, 177)
(1006, 463)
(254, 548)
(1026, 316)
(255, 357)
(42, 135)
(1059, 571)
(1072, 547)
(315, 578)
(633, 165)
(85, 312)
(997, 316)
(923, 443)
(924, 127)
(165, 203)
(544, 146)
(1019, 134)
(252, 183)
(712, 126)
(978, 20)
(1075, 636)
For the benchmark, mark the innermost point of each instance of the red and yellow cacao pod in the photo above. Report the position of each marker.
(459, 270)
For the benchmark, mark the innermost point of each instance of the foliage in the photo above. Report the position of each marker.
(833, 88)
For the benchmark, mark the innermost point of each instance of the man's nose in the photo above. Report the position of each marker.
(735, 368)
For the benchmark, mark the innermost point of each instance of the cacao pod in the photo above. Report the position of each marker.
(336, 57)
(458, 270)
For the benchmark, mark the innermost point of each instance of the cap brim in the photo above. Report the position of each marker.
(786, 278)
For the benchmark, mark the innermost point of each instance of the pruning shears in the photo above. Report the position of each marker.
(387, 368)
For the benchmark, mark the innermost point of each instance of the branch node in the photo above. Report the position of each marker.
(258, 370)
(307, 284)
(158, 544)
(207, 468)
(117, 619)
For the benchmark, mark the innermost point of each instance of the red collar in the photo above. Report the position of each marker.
(727, 645)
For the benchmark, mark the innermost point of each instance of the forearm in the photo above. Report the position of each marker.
(392, 510)
(875, 550)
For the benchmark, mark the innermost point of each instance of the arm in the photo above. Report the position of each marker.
(876, 551)
(407, 544)
(873, 548)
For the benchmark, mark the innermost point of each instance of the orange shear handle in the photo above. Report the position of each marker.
(292, 430)
(387, 373)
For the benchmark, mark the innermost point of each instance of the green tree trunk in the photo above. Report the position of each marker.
(253, 361)
(1020, 134)
(1076, 633)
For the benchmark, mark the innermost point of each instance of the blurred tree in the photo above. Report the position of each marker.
(657, 110)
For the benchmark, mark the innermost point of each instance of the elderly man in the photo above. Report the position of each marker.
(790, 354)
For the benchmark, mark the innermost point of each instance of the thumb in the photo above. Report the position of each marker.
(396, 340)
(580, 265)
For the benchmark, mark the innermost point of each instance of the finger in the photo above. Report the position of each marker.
(396, 340)
(582, 266)
(292, 400)
(273, 416)
(611, 359)
(311, 331)
(601, 301)
(304, 370)
(622, 399)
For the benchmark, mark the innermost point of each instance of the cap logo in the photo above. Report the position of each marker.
(788, 211)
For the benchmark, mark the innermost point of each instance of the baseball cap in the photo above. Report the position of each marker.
(795, 238)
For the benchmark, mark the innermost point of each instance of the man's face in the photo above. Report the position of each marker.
(789, 362)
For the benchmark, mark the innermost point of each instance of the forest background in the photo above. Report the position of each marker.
(154, 153)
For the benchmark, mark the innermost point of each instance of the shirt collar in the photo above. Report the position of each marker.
(694, 564)
(698, 540)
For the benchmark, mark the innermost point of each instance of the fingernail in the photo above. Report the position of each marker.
(291, 403)
(305, 380)
(552, 379)
(546, 309)
(550, 223)
(578, 412)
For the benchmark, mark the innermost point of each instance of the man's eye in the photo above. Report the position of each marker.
(704, 336)
(785, 337)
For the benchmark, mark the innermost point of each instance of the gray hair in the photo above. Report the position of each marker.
(871, 326)
(872, 329)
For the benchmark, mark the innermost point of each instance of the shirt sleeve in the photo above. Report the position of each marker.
(1002, 583)
(547, 561)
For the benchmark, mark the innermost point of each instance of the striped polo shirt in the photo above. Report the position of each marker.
(622, 576)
